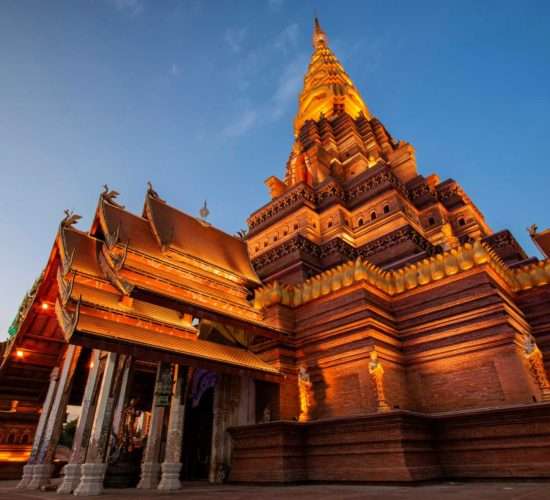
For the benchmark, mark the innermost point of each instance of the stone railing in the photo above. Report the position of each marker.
(394, 282)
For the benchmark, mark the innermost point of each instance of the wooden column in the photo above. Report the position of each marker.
(39, 434)
(43, 467)
(150, 467)
(234, 404)
(82, 434)
(93, 470)
(171, 467)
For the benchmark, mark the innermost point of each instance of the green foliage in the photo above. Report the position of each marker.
(67, 435)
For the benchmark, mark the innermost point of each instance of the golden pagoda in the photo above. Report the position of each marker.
(370, 326)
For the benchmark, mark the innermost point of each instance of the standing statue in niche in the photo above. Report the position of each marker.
(128, 434)
(536, 364)
(305, 390)
(128, 437)
(376, 371)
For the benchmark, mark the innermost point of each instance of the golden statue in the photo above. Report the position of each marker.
(305, 389)
(536, 364)
(376, 371)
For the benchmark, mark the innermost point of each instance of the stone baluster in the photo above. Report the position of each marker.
(43, 467)
(150, 467)
(39, 434)
(171, 467)
(81, 437)
(93, 470)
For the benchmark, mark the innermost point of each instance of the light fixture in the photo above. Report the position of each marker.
(19, 353)
(45, 306)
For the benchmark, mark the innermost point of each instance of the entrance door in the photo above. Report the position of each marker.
(197, 437)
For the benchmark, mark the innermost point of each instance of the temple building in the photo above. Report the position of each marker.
(369, 326)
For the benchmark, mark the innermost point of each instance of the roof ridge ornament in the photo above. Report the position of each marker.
(65, 286)
(152, 193)
(113, 238)
(204, 212)
(70, 218)
(110, 195)
(532, 230)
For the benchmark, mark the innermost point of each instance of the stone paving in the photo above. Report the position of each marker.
(502, 490)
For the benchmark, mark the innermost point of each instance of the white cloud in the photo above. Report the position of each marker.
(132, 7)
(275, 4)
(241, 125)
(289, 85)
(288, 38)
(175, 70)
(235, 38)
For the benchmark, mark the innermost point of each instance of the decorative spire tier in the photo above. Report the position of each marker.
(350, 189)
(328, 90)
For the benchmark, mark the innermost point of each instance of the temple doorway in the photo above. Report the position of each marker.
(124, 463)
(198, 426)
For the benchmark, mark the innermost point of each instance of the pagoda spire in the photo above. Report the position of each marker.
(328, 90)
(319, 36)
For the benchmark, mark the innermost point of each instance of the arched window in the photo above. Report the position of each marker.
(431, 221)
(373, 216)
(360, 222)
(295, 227)
(386, 209)
(461, 221)
(329, 223)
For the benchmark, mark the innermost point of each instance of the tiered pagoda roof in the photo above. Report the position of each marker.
(135, 283)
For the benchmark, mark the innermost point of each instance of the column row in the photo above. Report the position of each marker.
(102, 413)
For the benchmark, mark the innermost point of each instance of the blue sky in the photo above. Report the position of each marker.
(199, 97)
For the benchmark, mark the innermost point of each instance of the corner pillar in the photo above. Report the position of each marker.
(39, 434)
(81, 437)
(43, 465)
(171, 467)
(93, 470)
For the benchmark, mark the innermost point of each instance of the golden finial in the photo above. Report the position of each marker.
(204, 212)
(319, 36)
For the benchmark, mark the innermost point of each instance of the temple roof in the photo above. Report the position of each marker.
(328, 90)
(37, 345)
(198, 239)
(164, 233)
(91, 312)
(92, 331)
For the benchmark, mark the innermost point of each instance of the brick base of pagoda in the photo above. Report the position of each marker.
(397, 446)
